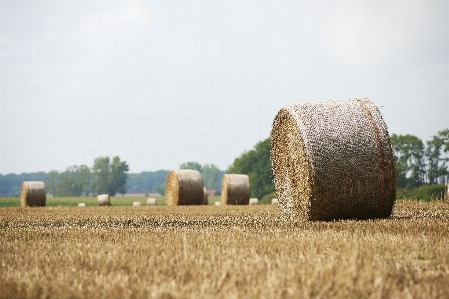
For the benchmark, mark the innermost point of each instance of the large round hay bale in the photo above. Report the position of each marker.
(151, 201)
(104, 200)
(333, 160)
(33, 194)
(184, 187)
(206, 197)
(235, 189)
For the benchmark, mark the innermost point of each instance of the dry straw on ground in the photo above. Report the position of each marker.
(333, 160)
(235, 189)
(206, 197)
(221, 253)
(104, 200)
(33, 194)
(151, 201)
(184, 187)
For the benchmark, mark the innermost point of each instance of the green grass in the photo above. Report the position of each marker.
(92, 201)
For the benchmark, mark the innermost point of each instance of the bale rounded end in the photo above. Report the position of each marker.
(33, 194)
(104, 200)
(184, 187)
(235, 189)
(151, 201)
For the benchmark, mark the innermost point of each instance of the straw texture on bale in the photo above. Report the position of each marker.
(151, 201)
(184, 187)
(33, 194)
(235, 189)
(104, 200)
(206, 197)
(333, 160)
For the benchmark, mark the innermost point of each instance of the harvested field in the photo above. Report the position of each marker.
(221, 252)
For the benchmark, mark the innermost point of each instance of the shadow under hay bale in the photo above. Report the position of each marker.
(104, 200)
(33, 194)
(235, 189)
(184, 187)
(333, 160)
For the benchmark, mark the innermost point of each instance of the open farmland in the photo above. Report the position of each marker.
(92, 201)
(221, 252)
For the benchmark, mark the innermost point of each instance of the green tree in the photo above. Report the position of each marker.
(409, 159)
(256, 164)
(70, 182)
(100, 175)
(436, 169)
(118, 176)
(52, 181)
(85, 179)
(191, 165)
(210, 176)
(109, 177)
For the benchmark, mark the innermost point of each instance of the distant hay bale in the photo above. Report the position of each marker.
(274, 201)
(81, 205)
(151, 201)
(218, 203)
(136, 203)
(104, 200)
(235, 189)
(253, 201)
(184, 187)
(333, 160)
(33, 194)
(206, 197)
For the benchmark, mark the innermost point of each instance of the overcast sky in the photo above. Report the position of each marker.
(162, 83)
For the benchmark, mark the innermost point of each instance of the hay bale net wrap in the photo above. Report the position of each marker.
(333, 160)
(206, 197)
(33, 194)
(184, 187)
(104, 200)
(235, 189)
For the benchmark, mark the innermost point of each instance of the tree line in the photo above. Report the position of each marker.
(154, 181)
(419, 163)
(105, 176)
